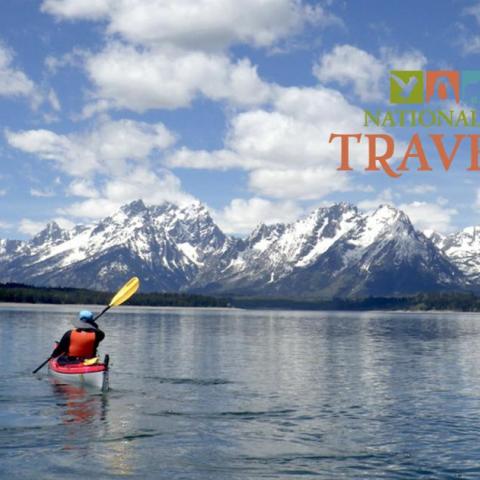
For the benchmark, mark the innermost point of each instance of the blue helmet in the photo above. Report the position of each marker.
(85, 315)
(85, 320)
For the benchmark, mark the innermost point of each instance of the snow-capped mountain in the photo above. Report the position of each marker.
(273, 252)
(165, 245)
(340, 251)
(335, 250)
(463, 250)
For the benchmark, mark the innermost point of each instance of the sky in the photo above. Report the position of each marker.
(229, 103)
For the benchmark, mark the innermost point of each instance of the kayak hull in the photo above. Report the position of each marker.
(95, 376)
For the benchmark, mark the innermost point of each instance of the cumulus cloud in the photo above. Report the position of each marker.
(164, 53)
(286, 149)
(151, 186)
(111, 164)
(74, 9)
(143, 79)
(424, 215)
(347, 65)
(107, 147)
(203, 24)
(243, 215)
(300, 184)
(13, 82)
(429, 216)
(82, 188)
(30, 227)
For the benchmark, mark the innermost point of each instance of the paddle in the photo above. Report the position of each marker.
(120, 297)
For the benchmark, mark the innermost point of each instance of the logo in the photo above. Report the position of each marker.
(406, 86)
(417, 87)
(423, 152)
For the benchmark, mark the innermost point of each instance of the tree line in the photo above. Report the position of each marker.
(457, 301)
(20, 293)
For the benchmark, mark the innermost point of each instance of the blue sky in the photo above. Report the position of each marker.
(226, 102)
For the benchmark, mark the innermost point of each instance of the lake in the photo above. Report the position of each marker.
(232, 394)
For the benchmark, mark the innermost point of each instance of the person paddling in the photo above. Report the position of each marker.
(81, 342)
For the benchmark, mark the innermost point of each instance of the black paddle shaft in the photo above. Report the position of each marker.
(42, 365)
(102, 312)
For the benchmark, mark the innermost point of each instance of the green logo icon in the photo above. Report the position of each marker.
(406, 86)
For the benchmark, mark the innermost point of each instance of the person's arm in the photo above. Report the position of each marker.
(99, 336)
(63, 346)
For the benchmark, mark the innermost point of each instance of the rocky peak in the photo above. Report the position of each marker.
(133, 208)
(50, 234)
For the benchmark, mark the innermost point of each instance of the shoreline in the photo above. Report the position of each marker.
(131, 308)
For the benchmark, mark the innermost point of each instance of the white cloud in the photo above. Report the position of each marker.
(53, 100)
(350, 66)
(424, 215)
(286, 149)
(347, 65)
(73, 9)
(37, 192)
(406, 60)
(421, 189)
(140, 182)
(203, 24)
(384, 197)
(111, 164)
(30, 227)
(14, 82)
(108, 147)
(300, 184)
(242, 216)
(143, 79)
(82, 188)
(165, 53)
(429, 216)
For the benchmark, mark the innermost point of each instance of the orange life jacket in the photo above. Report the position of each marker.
(82, 344)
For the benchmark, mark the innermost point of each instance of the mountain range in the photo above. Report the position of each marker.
(333, 251)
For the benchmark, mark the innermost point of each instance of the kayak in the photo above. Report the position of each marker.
(89, 372)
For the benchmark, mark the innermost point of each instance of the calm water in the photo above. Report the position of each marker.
(203, 394)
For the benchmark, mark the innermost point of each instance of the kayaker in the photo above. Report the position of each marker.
(80, 342)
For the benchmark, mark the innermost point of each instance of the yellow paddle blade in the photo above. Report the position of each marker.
(125, 292)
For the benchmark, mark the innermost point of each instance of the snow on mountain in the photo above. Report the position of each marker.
(340, 251)
(463, 250)
(272, 252)
(334, 250)
(165, 245)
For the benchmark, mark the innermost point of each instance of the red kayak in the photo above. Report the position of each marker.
(87, 371)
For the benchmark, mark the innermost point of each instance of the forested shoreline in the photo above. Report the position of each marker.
(456, 301)
(19, 293)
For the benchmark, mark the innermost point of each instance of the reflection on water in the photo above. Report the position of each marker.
(81, 406)
(210, 395)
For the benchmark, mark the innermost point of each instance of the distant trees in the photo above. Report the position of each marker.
(458, 301)
(16, 292)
